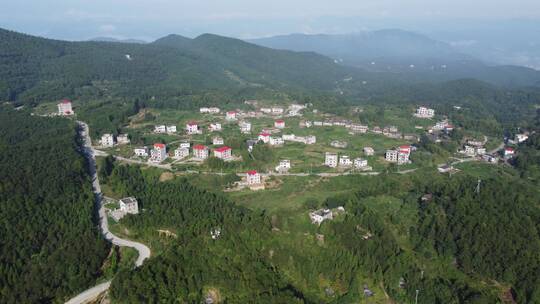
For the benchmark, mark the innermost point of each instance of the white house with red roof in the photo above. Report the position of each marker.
(158, 153)
(264, 137)
(280, 124)
(223, 152)
(200, 152)
(192, 128)
(509, 152)
(253, 177)
(64, 108)
(230, 115)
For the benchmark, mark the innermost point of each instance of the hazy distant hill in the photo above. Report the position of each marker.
(416, 57)
(109, 39)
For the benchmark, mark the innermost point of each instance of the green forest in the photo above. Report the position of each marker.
(50, 247)
(455, 238)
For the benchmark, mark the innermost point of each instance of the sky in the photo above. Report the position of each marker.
(151, 19)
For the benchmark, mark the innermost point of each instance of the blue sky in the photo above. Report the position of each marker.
(84, 19)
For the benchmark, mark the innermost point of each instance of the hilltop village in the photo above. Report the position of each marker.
(306, 141)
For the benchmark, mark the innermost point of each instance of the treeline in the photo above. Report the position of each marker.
(231, 268)
(50, 246)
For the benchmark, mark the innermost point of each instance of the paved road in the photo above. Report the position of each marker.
(144, 252)
(90, 294)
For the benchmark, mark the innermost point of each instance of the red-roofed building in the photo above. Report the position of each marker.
(64, 108)
(223, 152)
(264, 137)
(159, 153)
(508, 151)
(280, 124)
(405, 149)
(200, 152)
(231, 115)
(253, 177)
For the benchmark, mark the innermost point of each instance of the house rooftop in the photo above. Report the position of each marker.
(252, 172)
(159, 145)
(192, 123)
(222, 149)
(66, 101)
(199, 147)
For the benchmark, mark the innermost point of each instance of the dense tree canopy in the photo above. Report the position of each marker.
(50, 247)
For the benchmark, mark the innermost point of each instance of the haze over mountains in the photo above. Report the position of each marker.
(34, 68)
(403, 52)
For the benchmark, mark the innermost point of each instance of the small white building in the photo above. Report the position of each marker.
(345, 161)
(129, 205)
(369, 151)
(160, 129)
(357, 128)
(107, 140)
(230, 115)
(277, 110)
(280, 124)
(469, 150)
(310, 140)
(266, 110)
(141, 151)
(200, 152)
(185, 144)
(217, 140)
(192, 128)
(122, 139)
(171, 129)
(65, 108)
(264, 137)
(284, 165)
(214, 127)
(521, 137)
(276, 141)
(400, 156)
(424, 112)
(181, 153)
(159, 153)
(253, 177)
(211, 110)
(223, 153)
(331, 159)
(360, 163)
(319, 216)
(290, 137)
(339, 144)
(245, 127)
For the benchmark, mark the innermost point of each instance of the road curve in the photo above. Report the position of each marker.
(143, 250)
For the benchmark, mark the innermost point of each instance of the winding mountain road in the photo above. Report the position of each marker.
(143, 250)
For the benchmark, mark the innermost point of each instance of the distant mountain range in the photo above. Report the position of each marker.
(35, 69)
(415, 56)
(109, 39)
